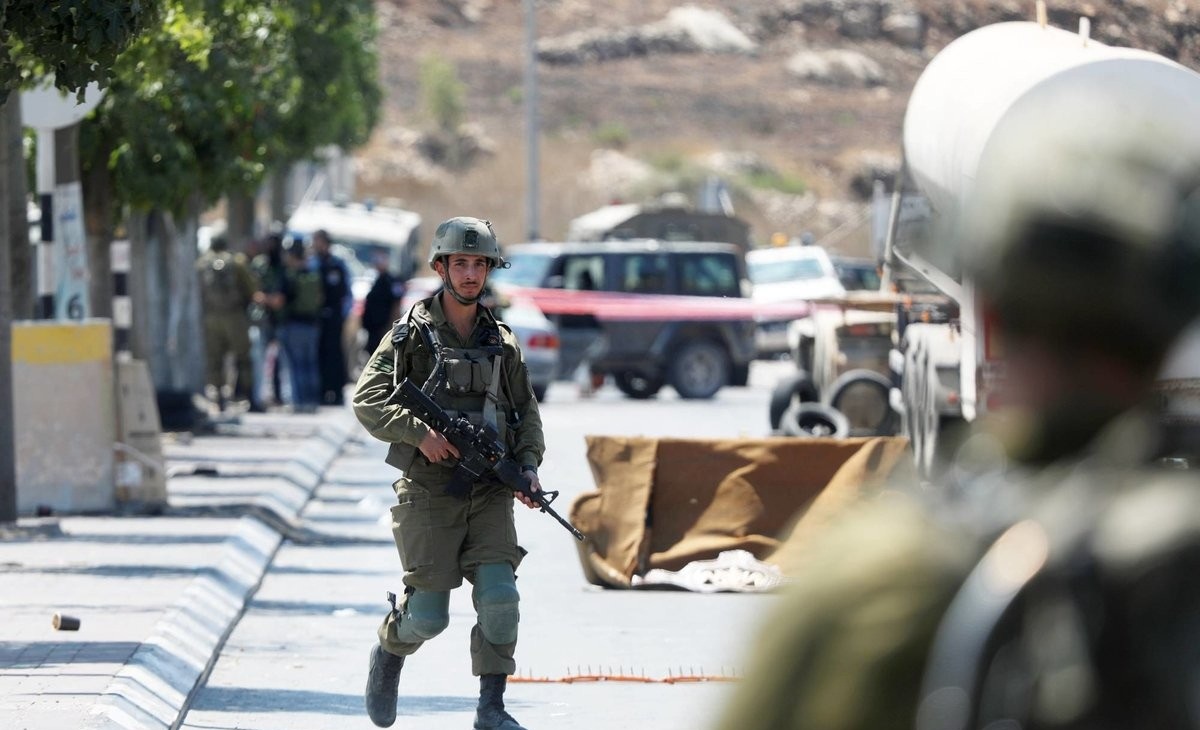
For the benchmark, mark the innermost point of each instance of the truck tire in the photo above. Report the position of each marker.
(636, 385)
(699, 369)
(814, 420)
(863, 396)
(790, 389)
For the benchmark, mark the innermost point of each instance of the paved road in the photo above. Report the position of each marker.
(253, 601)
(296, 659)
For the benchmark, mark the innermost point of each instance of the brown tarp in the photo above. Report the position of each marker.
(663, 503)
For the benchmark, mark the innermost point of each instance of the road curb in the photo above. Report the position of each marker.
(153, 690)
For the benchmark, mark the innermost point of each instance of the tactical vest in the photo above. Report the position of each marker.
(467, 382)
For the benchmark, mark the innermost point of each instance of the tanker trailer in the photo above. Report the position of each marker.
(1046, 107)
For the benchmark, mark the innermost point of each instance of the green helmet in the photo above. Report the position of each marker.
(466, 235)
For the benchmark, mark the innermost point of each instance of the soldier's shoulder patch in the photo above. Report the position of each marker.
(399, 332)
(383, 363)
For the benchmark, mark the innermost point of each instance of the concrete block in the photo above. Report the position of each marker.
(64, 413)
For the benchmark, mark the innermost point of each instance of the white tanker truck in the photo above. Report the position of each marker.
(973, 102)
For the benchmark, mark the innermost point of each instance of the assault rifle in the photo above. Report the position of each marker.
(481, 452)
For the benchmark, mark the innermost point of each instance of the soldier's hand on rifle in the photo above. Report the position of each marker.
(535, 485)
(435, 447)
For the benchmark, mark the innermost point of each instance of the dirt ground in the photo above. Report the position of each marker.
(677, 109)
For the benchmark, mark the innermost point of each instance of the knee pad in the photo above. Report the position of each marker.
(496, 602)
(428, 613)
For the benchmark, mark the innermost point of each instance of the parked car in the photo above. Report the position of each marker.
(537, 335)
(647, 312)
(788, 274)
(857, 274)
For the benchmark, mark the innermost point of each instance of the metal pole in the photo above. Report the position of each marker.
(122, 304)
(45, 186)
(9, 115)
(533, 192)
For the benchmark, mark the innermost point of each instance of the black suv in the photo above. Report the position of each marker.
(629, 329)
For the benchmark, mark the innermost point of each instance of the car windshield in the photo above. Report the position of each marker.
(525, 269)
(773, 272)
(857, 276)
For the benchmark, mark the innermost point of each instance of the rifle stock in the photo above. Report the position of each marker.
(481, 452)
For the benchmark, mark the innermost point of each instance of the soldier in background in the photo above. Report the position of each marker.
(1053, 579)
(269, 271)
(331, 357)
(226, 290)
(379, 307)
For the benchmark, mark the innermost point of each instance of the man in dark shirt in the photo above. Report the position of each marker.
(331, 359)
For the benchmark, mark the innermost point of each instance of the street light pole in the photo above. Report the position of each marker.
(10, 116)
(531, 123)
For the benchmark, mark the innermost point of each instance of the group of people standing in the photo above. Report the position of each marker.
(281, 312)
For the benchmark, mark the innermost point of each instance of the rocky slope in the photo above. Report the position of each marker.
(796, 104)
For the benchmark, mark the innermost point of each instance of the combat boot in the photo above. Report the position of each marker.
(383, 681)
(491, 715)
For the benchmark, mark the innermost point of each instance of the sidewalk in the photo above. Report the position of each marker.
(155, 596)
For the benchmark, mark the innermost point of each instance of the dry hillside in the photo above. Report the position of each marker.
(796, 104)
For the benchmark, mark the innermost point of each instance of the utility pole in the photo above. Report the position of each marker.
(10, 114)
(532, 163)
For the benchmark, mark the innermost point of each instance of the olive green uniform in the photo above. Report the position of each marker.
(226, 290)
(849, 644)
(441, 538)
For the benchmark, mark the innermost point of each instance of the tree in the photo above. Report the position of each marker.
(223, 92)
(78, 42)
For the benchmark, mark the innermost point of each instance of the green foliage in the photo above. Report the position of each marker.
(612, 134)
(775, 180)
(443, 93)
(225, 90)
(668, 161)
(78, 41)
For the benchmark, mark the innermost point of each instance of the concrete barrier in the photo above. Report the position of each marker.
(64, 415)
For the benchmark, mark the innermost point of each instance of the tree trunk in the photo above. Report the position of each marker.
(20, 252)
(239, 221)
(10, 116)
(98, 216)
(166, 309)
(278, 183)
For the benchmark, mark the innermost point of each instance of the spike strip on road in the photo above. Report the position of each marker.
(621, 675)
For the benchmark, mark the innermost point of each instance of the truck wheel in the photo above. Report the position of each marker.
(636, 385)
(699, 370)
(814, 420)
(787, 391)
(863, 397)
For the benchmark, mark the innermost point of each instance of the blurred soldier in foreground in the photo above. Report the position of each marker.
(226, 290)
(471, 365)
(1052, 580)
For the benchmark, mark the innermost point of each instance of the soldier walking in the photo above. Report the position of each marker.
(226, 290)
(473, 366)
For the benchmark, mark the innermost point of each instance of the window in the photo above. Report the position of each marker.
(709, 275)
(584, 273)
(645, 272)
(525, 269)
